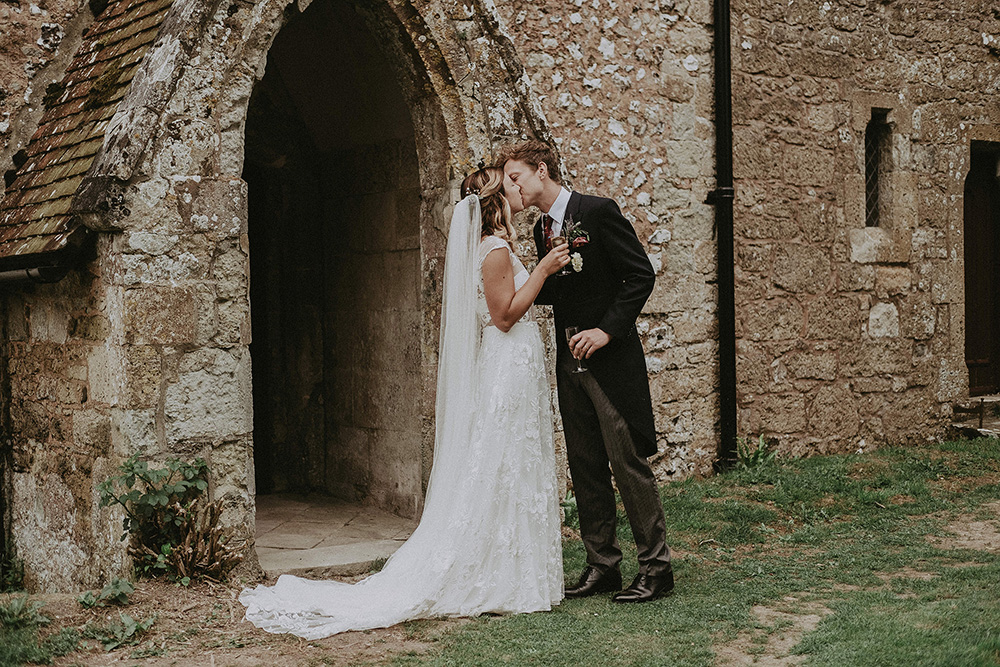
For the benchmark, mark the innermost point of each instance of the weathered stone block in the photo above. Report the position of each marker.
(150, 243)
(772, 319)
(808, 166)
(133, 431)
(777, 413)
(801, 268)
(819, 219)
(142, 376)
(870, 385)
(211, 397)
(947, 282)
(891, 281)
(833, 317)
(758, 369)
(918, 317)
(758, 223)
(92, 430)
(45, 528)
(17, 316)
(833, 412)
(160, 315)
(676, 292)
(754, 257)
(49, 321)
(883, 321)
(694, 326)
(855, 277)
(876, 357)
(810, 364)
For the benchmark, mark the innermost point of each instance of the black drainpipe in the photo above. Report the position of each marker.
(722, 199)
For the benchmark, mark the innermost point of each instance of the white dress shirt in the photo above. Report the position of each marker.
(558, 211)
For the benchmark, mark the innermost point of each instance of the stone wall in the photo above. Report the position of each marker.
(853, 336)
(374, 271)
(848, 336)
(627, 90)
(60, 430)
(173, 367)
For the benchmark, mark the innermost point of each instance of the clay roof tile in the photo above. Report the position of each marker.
(35, 215)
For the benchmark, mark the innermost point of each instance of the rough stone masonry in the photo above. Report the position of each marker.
(240, 167)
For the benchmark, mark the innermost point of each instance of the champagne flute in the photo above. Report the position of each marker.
(558, 241)
(570, 332)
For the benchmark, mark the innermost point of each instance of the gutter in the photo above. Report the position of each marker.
(722, 198)
(41, 274)
(48, 266)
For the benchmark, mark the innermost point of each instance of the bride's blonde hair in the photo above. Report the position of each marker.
(488, 185)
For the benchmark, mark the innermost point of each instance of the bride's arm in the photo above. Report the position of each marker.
(507, 305)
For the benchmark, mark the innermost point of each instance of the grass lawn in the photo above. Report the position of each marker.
(886, 558)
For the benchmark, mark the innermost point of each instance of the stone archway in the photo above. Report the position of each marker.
(448, 82)
(169, 367)
(334, 204)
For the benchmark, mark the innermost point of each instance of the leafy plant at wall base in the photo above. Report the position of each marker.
(127, 632)
(11, 573)
(19, 643)
(752, 453)
(174, 530)
(20, 613)
(115, 591)
(204, 549)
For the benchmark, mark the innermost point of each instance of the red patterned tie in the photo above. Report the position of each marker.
(547, 222)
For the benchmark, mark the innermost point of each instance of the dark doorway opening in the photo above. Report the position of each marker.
(982, 269)
(334, 202)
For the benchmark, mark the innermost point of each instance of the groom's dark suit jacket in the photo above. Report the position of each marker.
(608, 293)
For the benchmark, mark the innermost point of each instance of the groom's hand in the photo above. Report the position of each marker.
(585, 343)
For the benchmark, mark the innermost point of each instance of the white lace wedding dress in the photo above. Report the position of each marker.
(489, 537)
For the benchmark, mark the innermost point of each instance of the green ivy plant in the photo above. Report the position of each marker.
(156, 502)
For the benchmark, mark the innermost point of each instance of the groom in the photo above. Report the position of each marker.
(607, 412)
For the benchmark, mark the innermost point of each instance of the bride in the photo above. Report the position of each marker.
(489, 539)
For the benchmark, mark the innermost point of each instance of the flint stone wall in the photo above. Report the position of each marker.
(627, 90)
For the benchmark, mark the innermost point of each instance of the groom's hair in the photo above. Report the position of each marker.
(532, 152)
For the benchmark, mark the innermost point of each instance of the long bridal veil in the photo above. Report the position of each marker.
(485, 539)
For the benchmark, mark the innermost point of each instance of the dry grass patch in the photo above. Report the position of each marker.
(779, 628)
(969, 533)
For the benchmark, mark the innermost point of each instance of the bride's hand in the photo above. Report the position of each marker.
(557, 258)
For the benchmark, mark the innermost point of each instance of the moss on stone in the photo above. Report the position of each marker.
(103, 89)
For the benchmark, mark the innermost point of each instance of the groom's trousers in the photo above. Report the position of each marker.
(599, 444)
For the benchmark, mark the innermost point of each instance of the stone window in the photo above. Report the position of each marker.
(878, 156)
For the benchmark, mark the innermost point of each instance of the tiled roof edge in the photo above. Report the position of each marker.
(61, 252)
(98, 201)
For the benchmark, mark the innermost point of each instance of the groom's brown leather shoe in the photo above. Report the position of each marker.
(593, 581)
(646, 587)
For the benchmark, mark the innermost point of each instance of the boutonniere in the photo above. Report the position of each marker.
(577, 238)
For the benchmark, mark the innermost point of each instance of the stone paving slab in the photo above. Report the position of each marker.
(319, 537)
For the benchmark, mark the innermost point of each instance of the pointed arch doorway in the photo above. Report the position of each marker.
(982, 269)
(334, 207)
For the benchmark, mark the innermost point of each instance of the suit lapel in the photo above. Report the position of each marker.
(573, 207)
